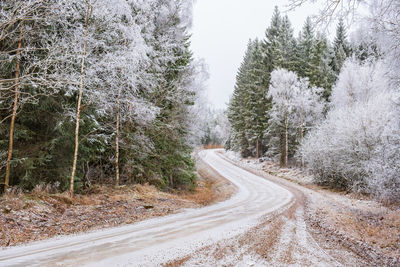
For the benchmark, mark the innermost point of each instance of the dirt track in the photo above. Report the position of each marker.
(263, 224)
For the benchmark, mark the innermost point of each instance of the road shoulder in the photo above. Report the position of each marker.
(26, 218)
(361, 228)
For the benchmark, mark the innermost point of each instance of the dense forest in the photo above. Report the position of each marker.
(96, 92)
(330, 106)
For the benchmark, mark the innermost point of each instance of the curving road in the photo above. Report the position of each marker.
(160, 240)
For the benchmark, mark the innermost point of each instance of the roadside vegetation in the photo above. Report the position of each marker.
(97, 92)
(337, 219)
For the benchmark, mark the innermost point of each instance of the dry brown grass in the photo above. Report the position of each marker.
(380, 230)
(211, 187)
(212, 146)
(39, 215)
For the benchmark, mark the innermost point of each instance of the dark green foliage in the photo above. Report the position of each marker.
(236, 116)
(314, 57)
(341, 48)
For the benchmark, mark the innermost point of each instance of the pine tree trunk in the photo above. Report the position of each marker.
(14, 111)
(117, 144)
(258, 148)
(78, 109)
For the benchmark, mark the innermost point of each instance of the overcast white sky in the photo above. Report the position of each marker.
(221, 30)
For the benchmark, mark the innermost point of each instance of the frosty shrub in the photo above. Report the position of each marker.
(357, 147)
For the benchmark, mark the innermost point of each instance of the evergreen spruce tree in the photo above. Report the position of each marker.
(236, 108)
(322, 74)
(288, 45)
(341, 48)
(306, 44)
(271, 45)
(314, 57)
(256, 104)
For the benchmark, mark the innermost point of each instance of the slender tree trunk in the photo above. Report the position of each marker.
(258, 148)
(117, 143)
(301, 138)
(282, 148)
(286, 143)
(78, 109)
(171, 181)
(14, 111)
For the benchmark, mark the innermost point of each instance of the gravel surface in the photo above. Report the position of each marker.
(269, 221)
(160, 240)
(353, 229)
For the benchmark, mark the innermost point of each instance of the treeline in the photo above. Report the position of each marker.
(95, 92)
(310, 55)
(332, 107)
(215, 128)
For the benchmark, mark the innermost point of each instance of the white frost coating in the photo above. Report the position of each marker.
(158, 240)
(357, 146)
(294, 99)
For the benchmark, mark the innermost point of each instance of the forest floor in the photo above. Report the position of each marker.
(39, 215)
(367, 228)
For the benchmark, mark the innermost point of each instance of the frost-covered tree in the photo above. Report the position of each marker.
(253, 134)
(357, 147)
(216, 128)
(295, 107)
(286, 56)
(282, 90)
(172, 71)
(199, 112)
(83, 56)
(248, 105)
(120, 70)
(271, 45)
(27, 53)
(350, 149)
(322, 74)
(106, 88)
(383, 30)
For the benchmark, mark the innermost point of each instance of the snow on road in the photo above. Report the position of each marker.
(160, 240)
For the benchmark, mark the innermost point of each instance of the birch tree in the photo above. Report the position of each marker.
(15, 106)
(109, 87)
(296, 107)
(25, 53)
(122, 70)
(80, 94)
(283, 90)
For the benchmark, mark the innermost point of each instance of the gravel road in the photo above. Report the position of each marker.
(261, 224)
